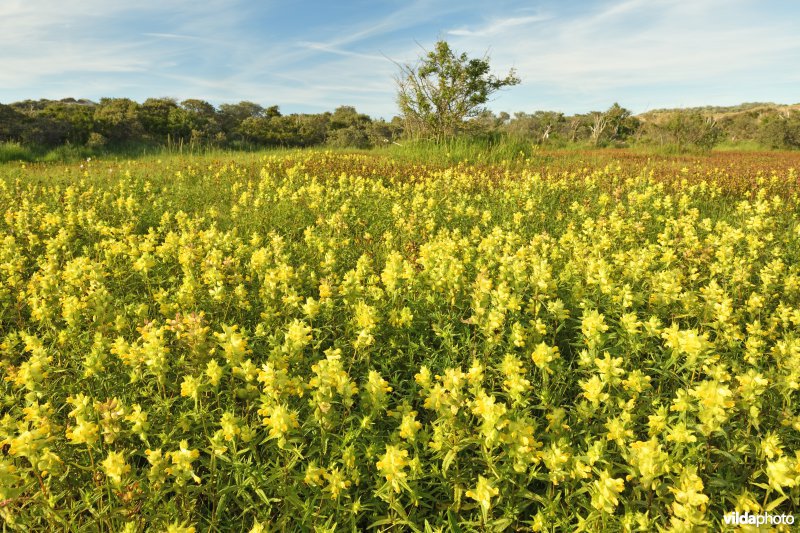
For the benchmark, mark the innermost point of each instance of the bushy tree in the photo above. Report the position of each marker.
(231, 117)
(348, 128)
(154, 115)
(780, 131)
(201, 119)
(692, 129)
(621, 123)
(117, 119)
(443, 89)
(11, 122)
(537, 127)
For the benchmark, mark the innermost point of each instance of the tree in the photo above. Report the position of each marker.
(780, 131)
(442, 90)
(117, 119)
(597, 126)
(231, 117)
(621, 123)
(348, 128)
(692, 129)
(537, 127)
(201, 120)
(576, 124)
(11, 122)
(613, 125)
(154, 116)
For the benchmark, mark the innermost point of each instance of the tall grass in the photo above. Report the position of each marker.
(476, 150)
(14, 152)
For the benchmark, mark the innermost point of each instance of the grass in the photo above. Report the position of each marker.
(492, 149)
(15, 152)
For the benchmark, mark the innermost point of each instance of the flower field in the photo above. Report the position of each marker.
(316, 341)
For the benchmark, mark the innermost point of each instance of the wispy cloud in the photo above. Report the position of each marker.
(324, 47)
(497, 26)
(630, 46)
(41, 39)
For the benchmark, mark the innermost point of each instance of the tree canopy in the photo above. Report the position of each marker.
(438, 93)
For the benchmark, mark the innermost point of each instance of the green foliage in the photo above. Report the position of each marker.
(10, 151)
(487, 149)
(692, 129)
(621, 124)
(780, 131)
(68, 153)
(123, 126)
(155, 116)
(539, 127)
(117, 119)
(443, 89)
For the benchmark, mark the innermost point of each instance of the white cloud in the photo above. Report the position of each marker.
(44, 39)
(605, 54)
(499, 25)
(325, 47)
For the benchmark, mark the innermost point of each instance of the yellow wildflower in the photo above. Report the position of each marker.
(483, 493)
(606, 491)
(392, 465)
(115, 467)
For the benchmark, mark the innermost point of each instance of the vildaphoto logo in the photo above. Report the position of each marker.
(742, 519)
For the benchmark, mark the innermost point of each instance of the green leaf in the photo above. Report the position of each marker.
(775, 503)
(447, 461)
(451, 519)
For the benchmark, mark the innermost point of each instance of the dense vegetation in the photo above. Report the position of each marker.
(82, 127)
(313, 340)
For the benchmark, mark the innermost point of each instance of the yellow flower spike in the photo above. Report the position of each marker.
(392, 466)
(593, 390)
(543, 355)
(213, 372)
(314, 475)
(483, 493)
(424, 377)
(83, 432)
(409, 426)
(610, 368)
(279, 419)
(181, 463)
(689, 506)
(298, 336)
(781, 473)
(115, 467)
(377, 390)
(337, 482)
(593, 325)
(230, 426)
(233, 343)
(179, 528)
(605, 492)
(475, 374)
(515, 384)
(650, 461)
(190, 387)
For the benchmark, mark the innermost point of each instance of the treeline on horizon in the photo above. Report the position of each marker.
(165, 122)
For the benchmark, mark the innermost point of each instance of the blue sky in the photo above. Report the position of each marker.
(573, 56)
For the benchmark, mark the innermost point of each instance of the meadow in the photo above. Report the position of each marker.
(334, 341)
